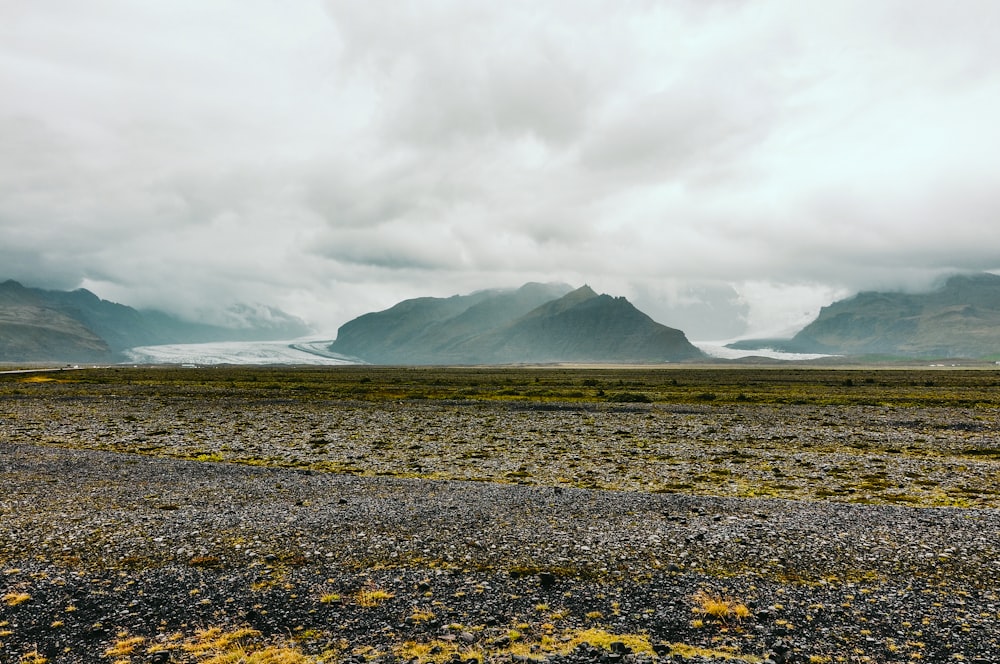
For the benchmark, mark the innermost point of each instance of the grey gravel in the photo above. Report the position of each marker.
(152, 546)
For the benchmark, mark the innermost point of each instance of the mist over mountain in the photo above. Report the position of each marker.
(535, 323)
(39, 325)
(961, 318)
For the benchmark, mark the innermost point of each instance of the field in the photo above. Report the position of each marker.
(915, 437)
(448, 514)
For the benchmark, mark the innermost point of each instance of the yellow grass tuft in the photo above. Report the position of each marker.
(637, 643)
(215, 640)
(722, 609)
(686, 651)
(124, 646)
(371, 596)
(39, 379)
(421, 615)
(33, 657)
(239, 646)
(436, 652)
(13, 599)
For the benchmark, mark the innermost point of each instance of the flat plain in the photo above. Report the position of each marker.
(439, 514)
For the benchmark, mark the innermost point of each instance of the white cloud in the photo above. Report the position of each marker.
(333, 158)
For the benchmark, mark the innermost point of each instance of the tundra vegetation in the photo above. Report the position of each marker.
(521, 574)
(901, 436)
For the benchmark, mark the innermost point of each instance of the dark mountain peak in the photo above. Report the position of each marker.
(619, 305)
(985, 279)
(549, 290)
(959, 318)
(584, 292)
(84, 294)
(48, 325)
(567, 301)
(12, 292)
(534, 323)
(972, 288)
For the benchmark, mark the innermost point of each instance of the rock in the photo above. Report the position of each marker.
(620, 647)
(779, 652)
(662, 649)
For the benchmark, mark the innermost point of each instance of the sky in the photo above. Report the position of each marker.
(728, 166)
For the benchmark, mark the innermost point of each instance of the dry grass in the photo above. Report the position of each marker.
(421, 615)
(240, 646)
(33, 657)
(13, 599)
(712, 606)
(436, 651)
(371, 596)
(637, 643)
(685, 651)
(124, 646)
(828, 418)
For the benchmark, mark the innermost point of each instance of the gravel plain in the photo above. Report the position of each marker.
(288, 530)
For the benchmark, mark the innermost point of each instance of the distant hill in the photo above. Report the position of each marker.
(39, 325)
(959, 319)
(535, 323)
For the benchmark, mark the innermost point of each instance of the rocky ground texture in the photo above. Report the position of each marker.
(116, 557)
(206, 521)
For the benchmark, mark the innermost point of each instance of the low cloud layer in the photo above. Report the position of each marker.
(730, 166)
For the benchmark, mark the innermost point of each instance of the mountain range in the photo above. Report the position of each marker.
(39, 325)
(537, 323)
(960, 318)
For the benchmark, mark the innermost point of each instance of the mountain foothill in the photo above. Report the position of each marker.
(534, 324)
(38, 325)
(958, 319)
(537, 323)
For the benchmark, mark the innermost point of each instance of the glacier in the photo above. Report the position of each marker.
(293, 352)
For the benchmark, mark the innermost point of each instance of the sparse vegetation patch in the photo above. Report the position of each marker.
(306, 515)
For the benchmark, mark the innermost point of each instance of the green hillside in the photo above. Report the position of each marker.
(961, 318)
(536, 323)
(38, 325)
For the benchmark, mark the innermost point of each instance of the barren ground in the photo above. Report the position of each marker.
(396, 514)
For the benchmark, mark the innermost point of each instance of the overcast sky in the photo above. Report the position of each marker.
(729, 166)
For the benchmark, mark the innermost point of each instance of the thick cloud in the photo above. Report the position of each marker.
(730, 166)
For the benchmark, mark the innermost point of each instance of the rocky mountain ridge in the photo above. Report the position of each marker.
(537, 323)
(959, 319)
(38, 325)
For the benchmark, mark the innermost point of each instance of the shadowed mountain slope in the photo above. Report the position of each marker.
(34, 328)
(536, 323)
(39, 325)
(959, 319)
